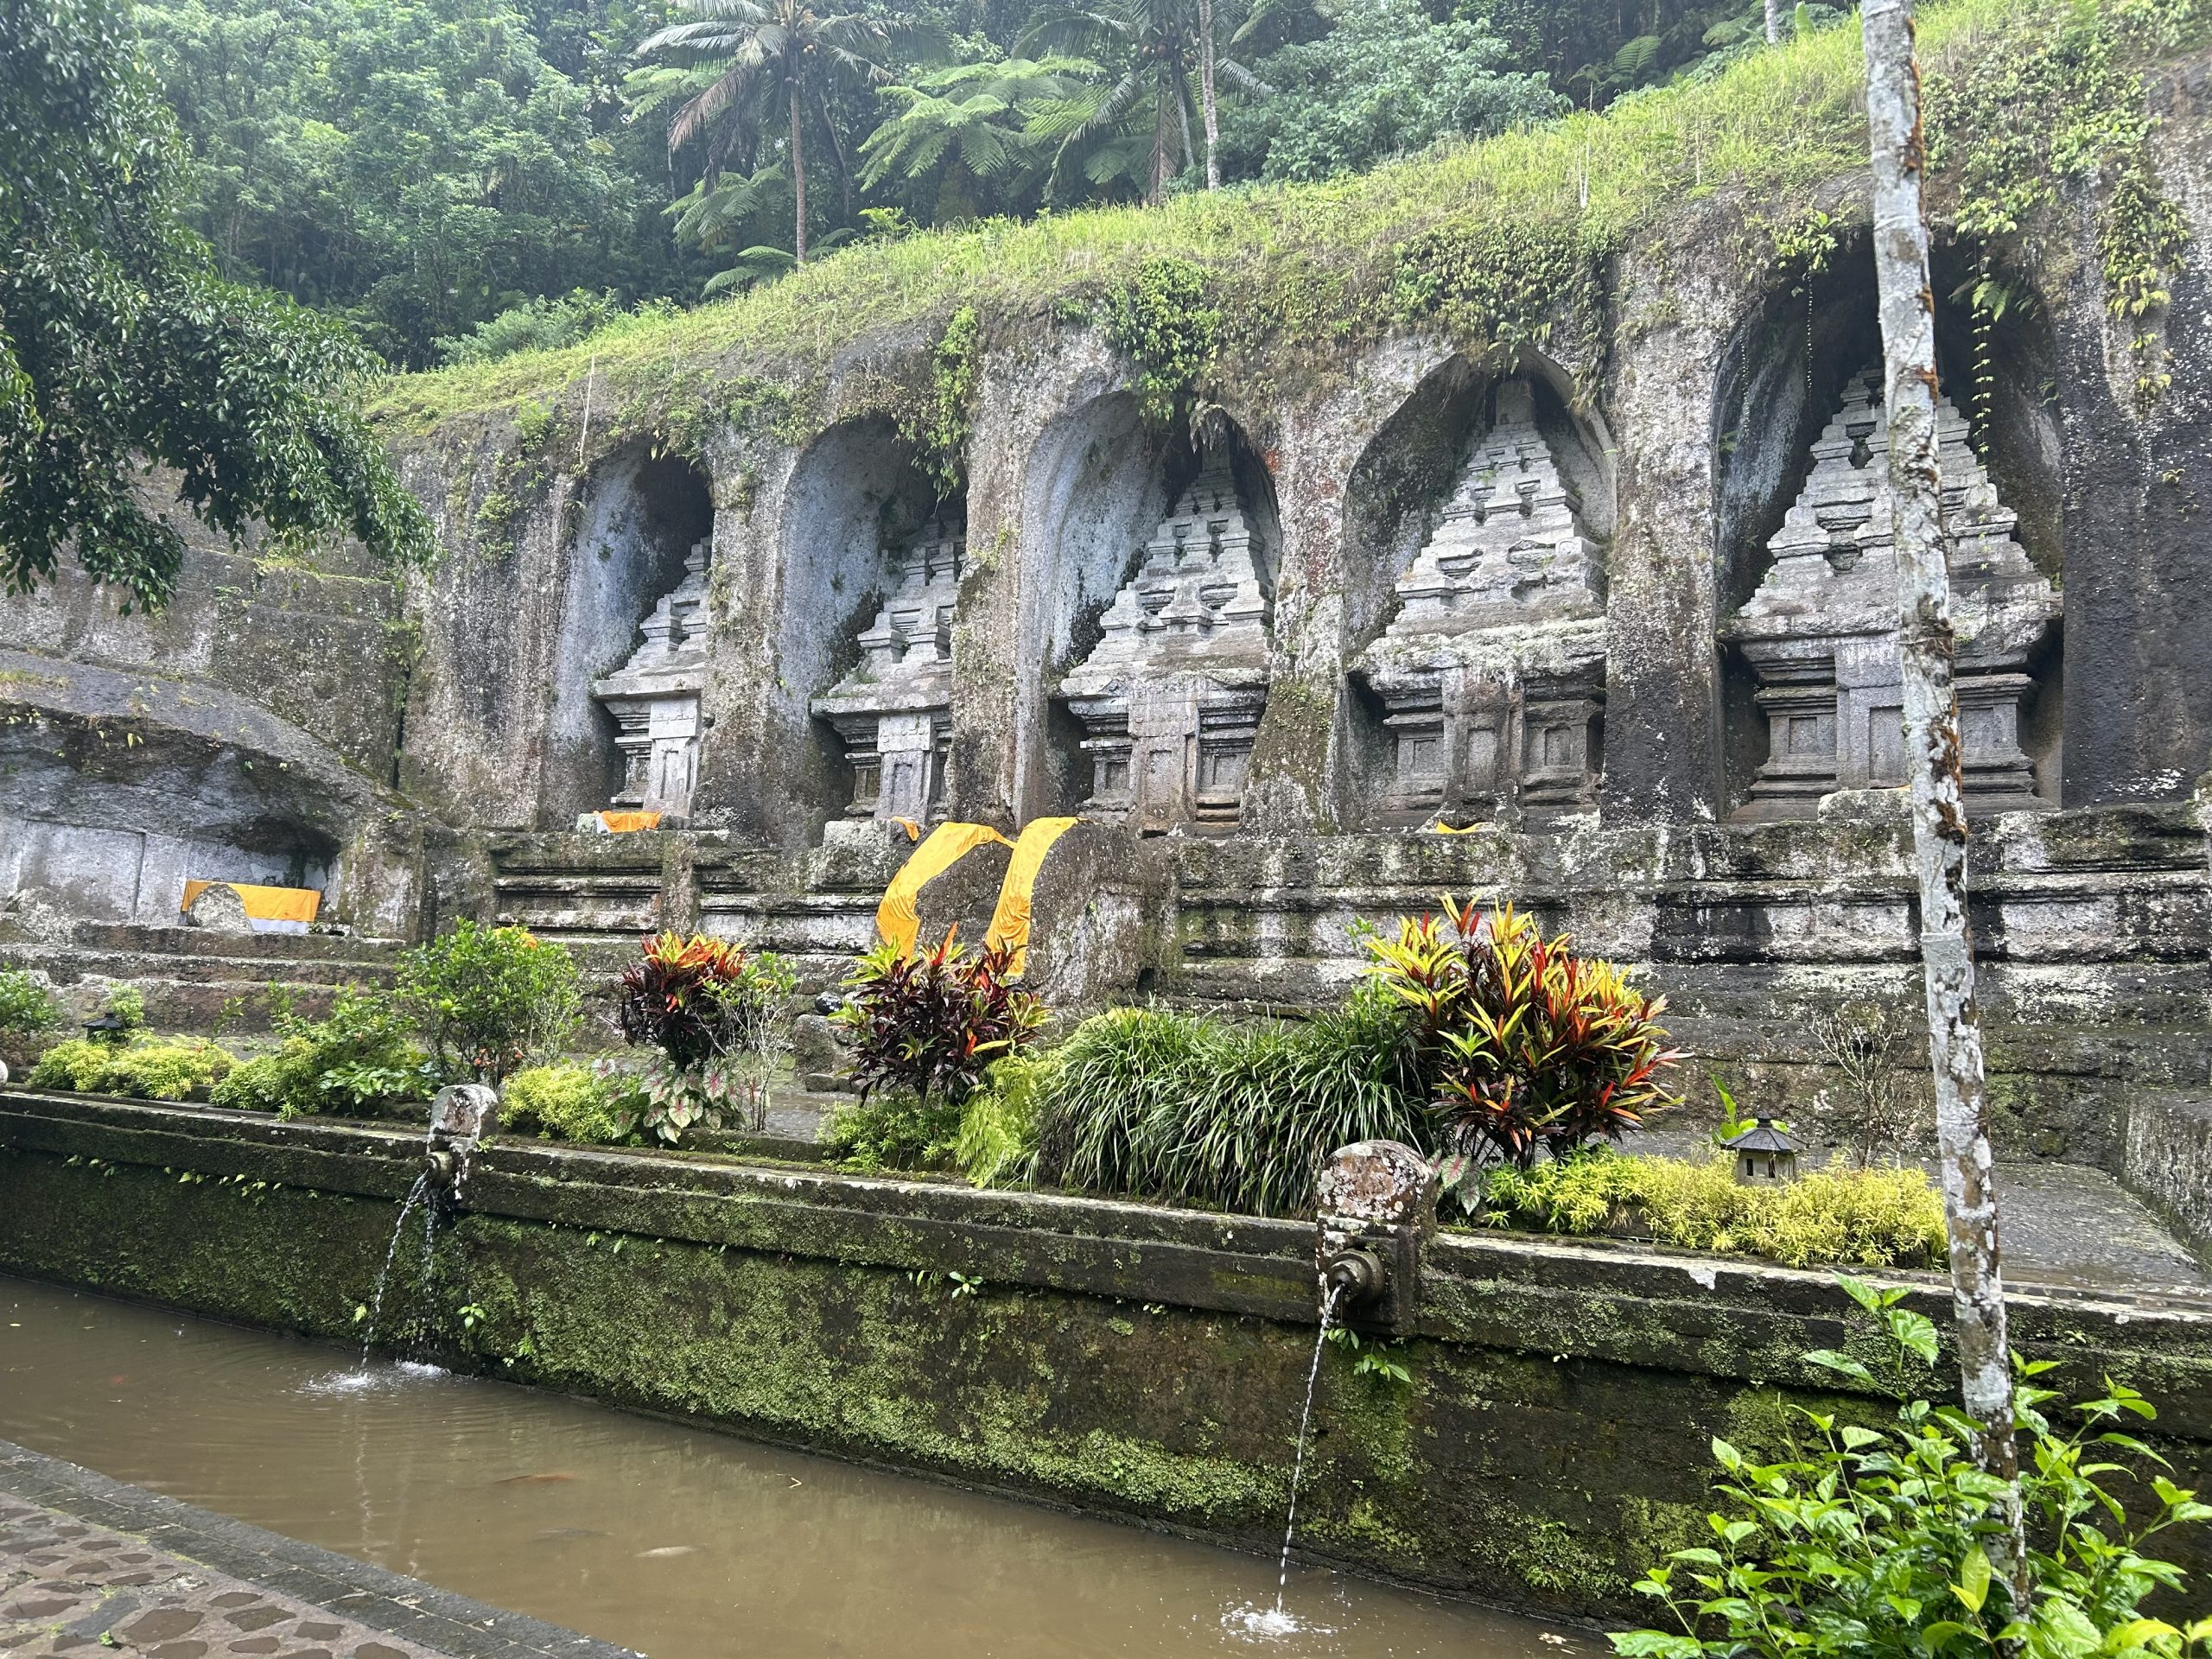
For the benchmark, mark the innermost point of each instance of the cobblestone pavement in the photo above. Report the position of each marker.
(67, 1587)
(89, 1565)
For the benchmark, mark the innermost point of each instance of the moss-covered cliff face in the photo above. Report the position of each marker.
(1553, 1438)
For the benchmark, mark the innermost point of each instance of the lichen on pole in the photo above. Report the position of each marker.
(1932, 751)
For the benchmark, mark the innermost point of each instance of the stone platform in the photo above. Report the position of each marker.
(88, 1564)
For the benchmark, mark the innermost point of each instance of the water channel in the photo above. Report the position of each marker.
(682, 1542)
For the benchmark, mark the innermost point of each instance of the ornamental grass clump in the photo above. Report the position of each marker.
(1526, 1047)
(1194, 1110)
(716, 1015)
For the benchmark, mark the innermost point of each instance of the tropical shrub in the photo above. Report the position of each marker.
(929, 1022)
(997, 1142)
(1195, 1109)
(358, 1058)
(1876, 1217)
(1527, 1046)
(1876, 1541)
(568, 1101)
(894, 1128)
(488, 1000)
(719, 1017)
(25, 1005)
(147, 1069)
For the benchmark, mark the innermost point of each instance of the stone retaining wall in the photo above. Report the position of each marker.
(1117, 1357)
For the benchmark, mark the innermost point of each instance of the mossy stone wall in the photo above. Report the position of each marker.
(1552, 1440)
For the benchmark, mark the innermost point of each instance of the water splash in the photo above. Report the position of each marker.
(1256, 1623)
(373, 1379)
(1330, 1293)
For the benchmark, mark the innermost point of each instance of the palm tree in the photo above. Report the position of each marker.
(773, 53)
(1157, 42)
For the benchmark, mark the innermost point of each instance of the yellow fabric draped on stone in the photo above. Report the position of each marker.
(899, 917)
(1458, 829)
(624, 823)
(1010, 921)
(264, 904)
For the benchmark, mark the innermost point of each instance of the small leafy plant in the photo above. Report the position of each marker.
(358, 1058)
(569, 1101)
(1875, 1218)
(26, 1007)
(488, 1000)
(1867, 1540)
(1529, 1047)
(147, 1069)
(718, 1016)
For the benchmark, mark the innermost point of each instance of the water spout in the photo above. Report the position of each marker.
(1330, 1295)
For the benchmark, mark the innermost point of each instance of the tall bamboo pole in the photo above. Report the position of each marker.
(1932, 750)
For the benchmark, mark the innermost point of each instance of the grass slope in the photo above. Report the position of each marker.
(1309, 268)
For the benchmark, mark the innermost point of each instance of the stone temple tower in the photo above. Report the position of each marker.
(1821, 632)
(1170, 698)
(1492, 672)
(654, 698)
(893, 712)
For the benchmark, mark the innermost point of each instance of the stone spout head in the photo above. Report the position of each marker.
(1353, 1277)
(461, 1113)
(1375, 1209)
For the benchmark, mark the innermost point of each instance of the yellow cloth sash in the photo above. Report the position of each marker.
(264, 904)
(1010, 921)
(898, 919)
(1460, 829)
(623, 824)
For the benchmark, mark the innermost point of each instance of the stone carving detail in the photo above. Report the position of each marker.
(1492, 672)
(654, 698)
(893, 712)
(1170, 698)
(1821, 632)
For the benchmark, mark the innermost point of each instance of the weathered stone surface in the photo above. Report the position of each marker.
(654, 698)
(1820, 631)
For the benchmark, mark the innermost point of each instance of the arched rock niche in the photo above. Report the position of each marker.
(855, 503)
(1475, 528)
(642, 518)
(1148, 627)
(1810, 682)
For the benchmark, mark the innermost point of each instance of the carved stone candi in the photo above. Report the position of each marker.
(893, 712)
(1820, 634)
(654, 698)
(1492, 672)
(1170, 698)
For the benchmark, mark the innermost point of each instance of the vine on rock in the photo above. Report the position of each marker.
(2067, 106)
(1162, 319)
(939, 424)
(1494, 286)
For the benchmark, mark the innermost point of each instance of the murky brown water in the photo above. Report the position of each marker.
(681, 1542)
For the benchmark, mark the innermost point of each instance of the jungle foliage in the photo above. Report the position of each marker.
(123, 347)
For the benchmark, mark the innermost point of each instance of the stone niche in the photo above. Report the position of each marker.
(893, 712)
(1169, 700)
(654, 699)
(1820, 634)
(1491, 673)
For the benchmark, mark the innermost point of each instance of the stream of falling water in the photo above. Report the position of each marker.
(415, 1195)
(1278, 1620)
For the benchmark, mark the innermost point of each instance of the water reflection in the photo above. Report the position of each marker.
(675, 1541)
